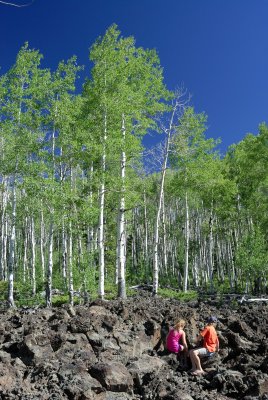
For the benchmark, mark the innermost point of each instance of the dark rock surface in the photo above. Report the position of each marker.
(112, 350)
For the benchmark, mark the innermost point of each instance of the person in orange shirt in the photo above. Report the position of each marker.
(210, 346)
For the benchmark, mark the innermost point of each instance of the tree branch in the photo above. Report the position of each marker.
(16, 5)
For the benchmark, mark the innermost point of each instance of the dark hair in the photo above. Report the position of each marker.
(211, 319)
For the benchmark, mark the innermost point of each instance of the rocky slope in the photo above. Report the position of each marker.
(111, 350)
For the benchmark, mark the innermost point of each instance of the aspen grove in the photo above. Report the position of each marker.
(85, 207)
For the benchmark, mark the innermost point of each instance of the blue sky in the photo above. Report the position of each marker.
(216, 49)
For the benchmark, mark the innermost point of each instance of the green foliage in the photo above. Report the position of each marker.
(3, 290)
(110, 290)
(138, 274)
(58, 280)
(59, 300)
(89, 281)
(22, 294)
(252, 254)
(52, 147)
(247, 167)
(174, 294)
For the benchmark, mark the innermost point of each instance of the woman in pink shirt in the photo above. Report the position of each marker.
(176, 339)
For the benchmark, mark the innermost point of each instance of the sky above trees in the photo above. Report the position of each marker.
(217, 49)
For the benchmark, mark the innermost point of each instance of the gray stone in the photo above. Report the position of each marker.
(113, 376)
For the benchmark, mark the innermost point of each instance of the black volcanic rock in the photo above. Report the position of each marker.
(112, 350)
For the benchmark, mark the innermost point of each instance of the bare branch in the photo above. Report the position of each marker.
(16, 5)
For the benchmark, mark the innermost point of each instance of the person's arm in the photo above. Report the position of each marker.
(198, 338)
(217, 344)
(183, 341)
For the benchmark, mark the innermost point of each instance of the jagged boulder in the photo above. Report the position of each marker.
(108, 350)
(113, 376)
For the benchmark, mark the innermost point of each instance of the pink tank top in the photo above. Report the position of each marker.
(173, 339)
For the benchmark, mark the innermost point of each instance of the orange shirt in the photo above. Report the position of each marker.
(211, 340)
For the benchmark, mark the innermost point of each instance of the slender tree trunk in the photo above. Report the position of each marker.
(70, 266)
(211, 248)
(33, 272)
(164, 237)
(64, 252)
(197, 256)
(161, 192)
(101, 243)
(121, 232)
(50, 266)
(12, 244)
(80, 253)
(25, 255)
(156, 238)
(101, 216)
(91, 229)
(42, 245)
(187, 235)
(231, 269)
(146, 253)
(3, 232)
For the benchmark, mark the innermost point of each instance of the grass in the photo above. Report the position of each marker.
(23, 297)
(174, 294)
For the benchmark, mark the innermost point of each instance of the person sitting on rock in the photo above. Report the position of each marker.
(209, 347)
(176, 338)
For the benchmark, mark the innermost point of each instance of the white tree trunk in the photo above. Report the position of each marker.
(135, 239)
(33, 272)
(231, 269)
(196, 262)
(90, 235)
(121, 229)
(64, 253)
(42, 245)
(25, 253)
(3, 232)
(4, 248)
(12, 244)
(164, 247)
(146, 253)
(80, 253)
(210, 249)
(70, 266)
(101, 216)
(187, 236)
(50, 266)
(160, 200)
(101, 243)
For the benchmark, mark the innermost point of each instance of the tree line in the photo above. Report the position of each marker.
(83, 204)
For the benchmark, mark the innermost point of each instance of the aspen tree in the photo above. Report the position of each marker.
(19, 125)
(191, 152)
(169, 130)
(61, 110)
(3, 235)
(130, 83)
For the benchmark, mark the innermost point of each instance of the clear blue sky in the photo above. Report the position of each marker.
(218, 49)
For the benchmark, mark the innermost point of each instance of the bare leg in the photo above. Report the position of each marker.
(195, 360)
